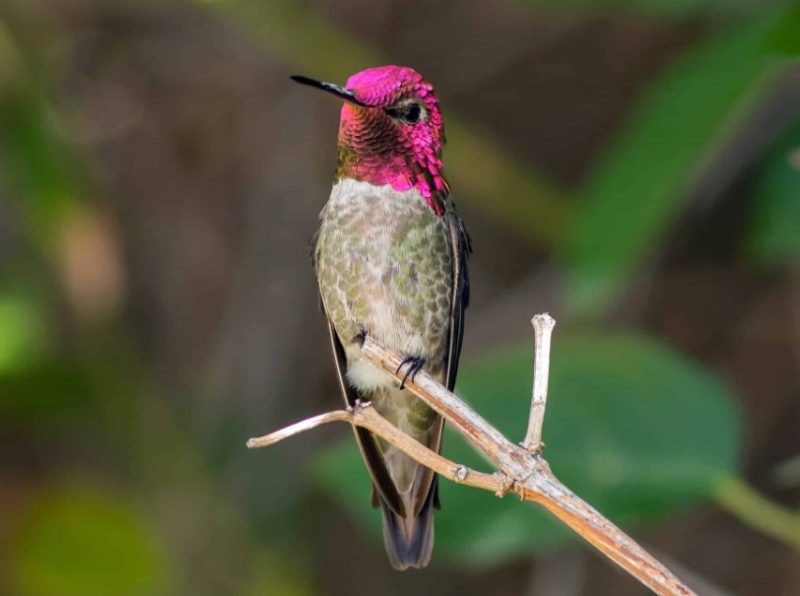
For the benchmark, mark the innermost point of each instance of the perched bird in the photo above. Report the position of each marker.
(390, 258)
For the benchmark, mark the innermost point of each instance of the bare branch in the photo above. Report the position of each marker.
(521, 471)
(543, 330)
(299, 427)
(365, 416)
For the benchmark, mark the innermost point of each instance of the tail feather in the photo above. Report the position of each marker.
(409, 541)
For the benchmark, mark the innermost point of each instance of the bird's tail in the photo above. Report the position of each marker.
(409, 540)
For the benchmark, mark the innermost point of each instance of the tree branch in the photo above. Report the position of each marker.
(365, 416)
(519, 469)
(542, 329)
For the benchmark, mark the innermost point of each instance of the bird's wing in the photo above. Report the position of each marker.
(381, 479)
(460, 247)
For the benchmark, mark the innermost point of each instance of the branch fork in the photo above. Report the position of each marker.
(521, 468)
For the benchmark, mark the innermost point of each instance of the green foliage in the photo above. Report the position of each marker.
(37, 160)
(639, 186)
(23, 335)
(785, 40)
(51, 391)
(760, 513)
(83, 541)
(775, 234)
(632, 427)
(36, 386)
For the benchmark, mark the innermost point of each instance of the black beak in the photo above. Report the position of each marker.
(338, 91)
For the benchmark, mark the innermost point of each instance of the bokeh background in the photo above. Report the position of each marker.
(630, 166)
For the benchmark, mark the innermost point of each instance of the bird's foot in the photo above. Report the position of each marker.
(415, 364)
(360, 337)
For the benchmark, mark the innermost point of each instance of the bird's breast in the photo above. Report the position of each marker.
(384, 267)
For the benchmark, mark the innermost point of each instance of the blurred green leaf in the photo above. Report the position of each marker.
(47, 392)
(35, 156)
(786, 38)
(775, 235)
(631, 426)
(84, 541)
(640, 185)
(22, 333)
(37, 161)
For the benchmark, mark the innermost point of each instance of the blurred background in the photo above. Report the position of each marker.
(630, 166)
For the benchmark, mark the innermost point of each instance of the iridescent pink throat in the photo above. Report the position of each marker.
(379, 161)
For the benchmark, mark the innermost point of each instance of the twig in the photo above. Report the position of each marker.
(543, 329)
(299, 427)
(365, 416)
(521, 471)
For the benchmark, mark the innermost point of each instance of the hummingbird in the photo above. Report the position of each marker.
(390, 257)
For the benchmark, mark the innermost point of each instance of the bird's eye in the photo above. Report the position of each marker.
(413, 112)
(410, 113)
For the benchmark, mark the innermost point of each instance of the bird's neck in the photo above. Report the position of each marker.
(379, 159)
(396, 171)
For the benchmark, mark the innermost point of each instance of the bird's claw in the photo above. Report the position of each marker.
(360, 337)
(415, 364)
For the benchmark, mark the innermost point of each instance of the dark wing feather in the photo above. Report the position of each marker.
(461, 247)
(381, 479)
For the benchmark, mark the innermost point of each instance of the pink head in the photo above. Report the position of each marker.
(391, 131)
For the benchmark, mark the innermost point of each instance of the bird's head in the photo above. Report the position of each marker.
(391, 131)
